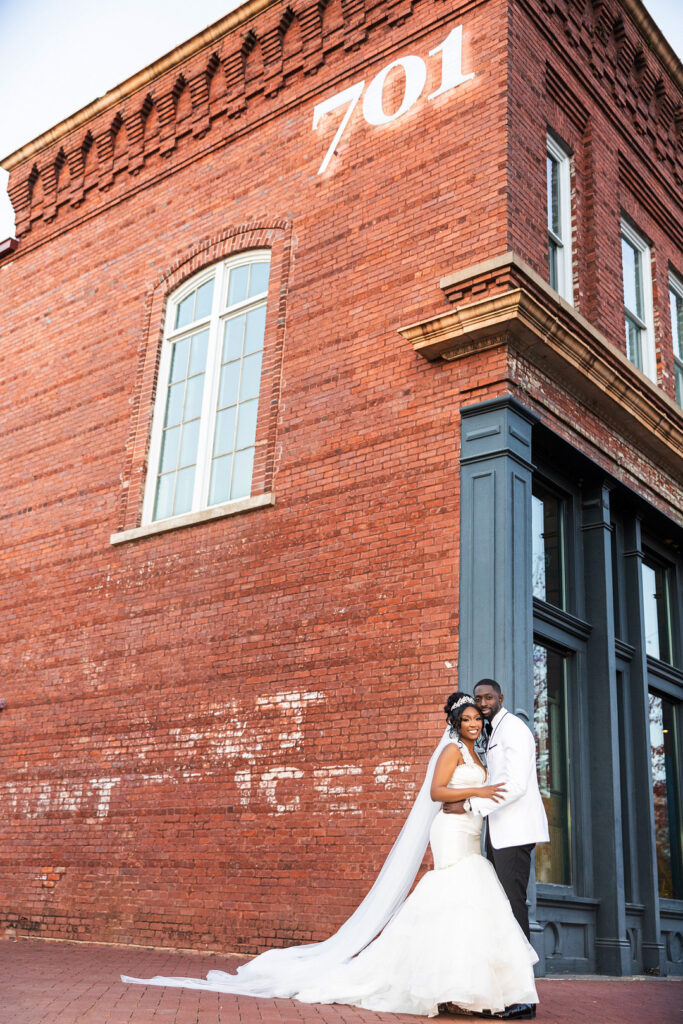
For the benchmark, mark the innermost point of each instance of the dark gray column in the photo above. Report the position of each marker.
(496, 600)
(613, 951)
(496, 609)
(645, 885)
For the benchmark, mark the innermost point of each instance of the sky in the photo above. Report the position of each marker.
(59, 55)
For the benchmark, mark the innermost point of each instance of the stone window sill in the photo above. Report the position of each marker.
(230, 508)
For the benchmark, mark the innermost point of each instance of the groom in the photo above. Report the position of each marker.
(518, 821)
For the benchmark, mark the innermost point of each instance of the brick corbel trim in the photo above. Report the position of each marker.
(523, 313)
(271, 234)
(245, 13)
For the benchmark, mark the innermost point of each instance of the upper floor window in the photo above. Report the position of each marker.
(204, 427)
(559, 220)
(638, 319)
(676, 305)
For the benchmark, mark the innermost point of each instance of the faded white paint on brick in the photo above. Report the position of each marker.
(330, 781)
(268, 787)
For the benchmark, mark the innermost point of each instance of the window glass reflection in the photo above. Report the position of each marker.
(547, 520)
(657, 610)
(667, 805)
(207, 404)
(553, 862)
(553, 189)
(634, 341)
(633, 290)
(676, 308)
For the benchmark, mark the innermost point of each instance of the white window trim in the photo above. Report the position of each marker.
(565, 271)
(648, 335)
(219, 271)
(675, 286)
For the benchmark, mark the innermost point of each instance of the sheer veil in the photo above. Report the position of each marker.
(284, 972)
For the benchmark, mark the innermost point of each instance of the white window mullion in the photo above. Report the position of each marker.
(213, 361)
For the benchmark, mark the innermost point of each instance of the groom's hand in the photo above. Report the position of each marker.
(454, 807)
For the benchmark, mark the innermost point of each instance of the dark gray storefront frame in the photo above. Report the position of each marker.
(588, 926)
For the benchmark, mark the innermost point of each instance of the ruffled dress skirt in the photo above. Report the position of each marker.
(454, 940)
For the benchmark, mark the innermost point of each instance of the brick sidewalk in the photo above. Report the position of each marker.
(69, 983)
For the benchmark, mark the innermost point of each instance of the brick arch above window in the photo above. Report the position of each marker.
(273, 235)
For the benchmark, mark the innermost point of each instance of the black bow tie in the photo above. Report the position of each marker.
(488, 729)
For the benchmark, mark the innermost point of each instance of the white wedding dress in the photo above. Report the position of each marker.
(454, 939)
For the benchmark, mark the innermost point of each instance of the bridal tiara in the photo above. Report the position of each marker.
(463, 700)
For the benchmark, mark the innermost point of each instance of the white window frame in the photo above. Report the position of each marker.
(646, 323)
(563, 240)
(676, 290)
(219, 313)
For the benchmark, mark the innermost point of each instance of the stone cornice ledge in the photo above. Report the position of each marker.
(524, 313)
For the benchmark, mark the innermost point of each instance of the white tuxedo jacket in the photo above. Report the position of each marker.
(511, 758)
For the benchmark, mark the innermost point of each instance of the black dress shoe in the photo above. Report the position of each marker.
(518, 1011)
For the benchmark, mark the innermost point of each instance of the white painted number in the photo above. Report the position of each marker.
(350, 96)
(451, 62)
(415, 72)
(415, 77)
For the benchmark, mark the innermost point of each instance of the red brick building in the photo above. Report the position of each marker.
(341, 355)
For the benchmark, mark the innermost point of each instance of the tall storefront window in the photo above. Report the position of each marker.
(667, 796)
(553, 861)
(657, 610)
(548, 546)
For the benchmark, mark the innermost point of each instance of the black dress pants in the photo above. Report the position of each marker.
(513, 865)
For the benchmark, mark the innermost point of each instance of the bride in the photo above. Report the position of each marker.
(454, 939)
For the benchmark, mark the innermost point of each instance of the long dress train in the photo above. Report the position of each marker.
(455, 939)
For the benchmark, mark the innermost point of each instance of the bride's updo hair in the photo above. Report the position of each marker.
(455, 707)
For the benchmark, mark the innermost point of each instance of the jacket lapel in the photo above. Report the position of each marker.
(503, 714)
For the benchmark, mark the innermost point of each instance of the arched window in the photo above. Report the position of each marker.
(204, 427)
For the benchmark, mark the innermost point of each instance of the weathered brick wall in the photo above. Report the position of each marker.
(213, 734)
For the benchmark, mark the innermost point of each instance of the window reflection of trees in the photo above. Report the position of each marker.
(548, 571)
(552, 859)
(665, 796)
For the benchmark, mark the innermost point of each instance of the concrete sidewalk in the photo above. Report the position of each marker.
(47, 982)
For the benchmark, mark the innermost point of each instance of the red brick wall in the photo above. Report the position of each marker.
(213, 734)
(216, 732)
(595, 84)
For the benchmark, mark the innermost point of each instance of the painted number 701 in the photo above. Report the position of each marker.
(415, 72)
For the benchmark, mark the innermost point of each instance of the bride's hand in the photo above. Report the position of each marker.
(493, 792)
